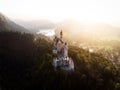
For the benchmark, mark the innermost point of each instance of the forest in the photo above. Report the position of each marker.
(26, 63)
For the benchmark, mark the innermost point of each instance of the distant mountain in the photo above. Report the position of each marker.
(74, 26)
(7, 24)
(36, 25)
(73, 30)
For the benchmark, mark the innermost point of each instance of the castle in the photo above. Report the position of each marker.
(61, 49)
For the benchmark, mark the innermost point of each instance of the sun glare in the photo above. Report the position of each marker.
(85, 11)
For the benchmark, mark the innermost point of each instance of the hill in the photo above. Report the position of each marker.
(36, 25)
(88, 32)
(26, 63)
(7, 24)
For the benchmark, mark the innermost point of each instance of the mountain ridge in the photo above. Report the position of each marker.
(36, 25)
(7, 24)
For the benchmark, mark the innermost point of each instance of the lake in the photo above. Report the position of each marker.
(47, 32)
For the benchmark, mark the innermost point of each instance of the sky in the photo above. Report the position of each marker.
(84, 11)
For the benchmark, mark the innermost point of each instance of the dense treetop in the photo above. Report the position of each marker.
(26, 63)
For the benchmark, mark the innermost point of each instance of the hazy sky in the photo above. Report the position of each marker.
(86, 11)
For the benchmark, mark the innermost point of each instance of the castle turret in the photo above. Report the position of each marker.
(61, 34)
(65, 50)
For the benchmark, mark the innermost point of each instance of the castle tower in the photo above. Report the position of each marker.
(61, 34)
(55, 42)
(65, 50)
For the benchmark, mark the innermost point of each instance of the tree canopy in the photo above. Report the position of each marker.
(26, 63)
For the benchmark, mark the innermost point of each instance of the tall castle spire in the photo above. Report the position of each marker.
(61, 34)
